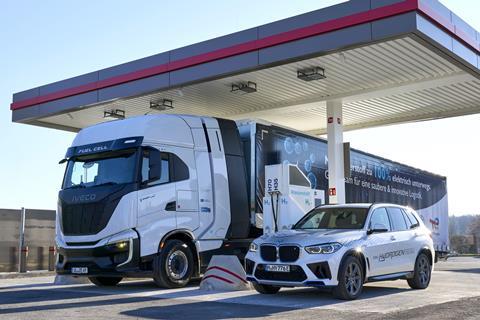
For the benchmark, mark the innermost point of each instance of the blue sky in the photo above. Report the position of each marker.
(45, 41)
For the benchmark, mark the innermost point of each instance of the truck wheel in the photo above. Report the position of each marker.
(173, 266)
(350, 279)
(105, 281)
(266, 289)
(422, 272)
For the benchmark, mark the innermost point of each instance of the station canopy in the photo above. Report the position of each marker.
(388, 61)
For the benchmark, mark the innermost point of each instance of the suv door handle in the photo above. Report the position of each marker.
(393, 238)
(171, 206)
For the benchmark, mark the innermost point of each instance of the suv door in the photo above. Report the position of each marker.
(379, 244)
(404, 241)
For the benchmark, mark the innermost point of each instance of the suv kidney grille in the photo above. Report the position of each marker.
(288, 253)
(268, 252)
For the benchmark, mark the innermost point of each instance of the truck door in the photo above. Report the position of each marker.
(183, 172)
(379, 245)
(156, 200)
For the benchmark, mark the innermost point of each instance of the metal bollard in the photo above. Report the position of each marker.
(23, 250)
(23, 260)
(51, 259)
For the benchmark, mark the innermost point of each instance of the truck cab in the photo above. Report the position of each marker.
(152, 196)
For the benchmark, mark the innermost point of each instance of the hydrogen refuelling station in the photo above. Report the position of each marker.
(357, 64)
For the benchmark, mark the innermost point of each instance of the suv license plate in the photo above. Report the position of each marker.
(80, 270)
(277, 268)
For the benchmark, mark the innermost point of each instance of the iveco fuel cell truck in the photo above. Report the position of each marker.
(158, 195)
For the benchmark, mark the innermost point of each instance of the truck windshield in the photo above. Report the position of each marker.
(106, 168)
(333, 218)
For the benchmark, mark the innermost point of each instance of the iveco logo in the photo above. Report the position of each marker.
(84, 197)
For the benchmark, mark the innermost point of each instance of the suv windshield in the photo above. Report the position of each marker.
(333, 218)
(101, 169)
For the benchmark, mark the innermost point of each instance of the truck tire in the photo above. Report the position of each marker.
(105, 281)
(266, 289)
(422, 272)
(350, 279)
(173, 266)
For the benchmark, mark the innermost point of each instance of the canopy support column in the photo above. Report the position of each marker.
(336, 175)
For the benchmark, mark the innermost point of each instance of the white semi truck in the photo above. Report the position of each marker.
(158, 195)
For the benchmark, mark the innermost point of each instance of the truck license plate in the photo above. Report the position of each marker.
(277, 268)
(80, 270)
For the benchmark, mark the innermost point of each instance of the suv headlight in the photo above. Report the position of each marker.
(325, 248)
(253, 247)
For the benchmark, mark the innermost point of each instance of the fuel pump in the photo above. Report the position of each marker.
(288, 196)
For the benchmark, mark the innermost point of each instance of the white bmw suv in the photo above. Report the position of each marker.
(344, 246)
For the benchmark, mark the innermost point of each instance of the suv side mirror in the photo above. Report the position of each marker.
(155, 165)
(377, 228)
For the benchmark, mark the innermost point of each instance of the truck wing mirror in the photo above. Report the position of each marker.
(155, 165)
(377, 228)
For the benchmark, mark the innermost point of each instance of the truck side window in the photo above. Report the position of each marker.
(380, 217)
(180, 169)
(165, 174)
(398, 221)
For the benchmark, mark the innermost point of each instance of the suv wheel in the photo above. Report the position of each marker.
(422, 273)
(266, 289)
(350, 279)
(105, 281)
(173, 266)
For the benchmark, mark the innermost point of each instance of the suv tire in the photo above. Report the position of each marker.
(173, 266)
(350, 279)
(422, 272)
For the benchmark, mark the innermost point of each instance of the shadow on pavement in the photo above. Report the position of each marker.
(470, 270)
(245, 305)
(206, 311)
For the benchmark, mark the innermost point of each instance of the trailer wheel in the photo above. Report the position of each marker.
(350, 279)
(422, 273)
(173, 266)
(266, 289)
(105, 281)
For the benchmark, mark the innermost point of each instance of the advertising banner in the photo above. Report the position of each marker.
(372, 178)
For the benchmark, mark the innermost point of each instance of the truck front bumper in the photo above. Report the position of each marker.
(115, 259)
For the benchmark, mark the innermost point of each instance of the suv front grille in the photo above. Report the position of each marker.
(285, 253)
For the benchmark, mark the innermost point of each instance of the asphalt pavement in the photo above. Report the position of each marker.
(454, 293)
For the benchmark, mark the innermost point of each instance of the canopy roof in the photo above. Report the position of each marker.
(388, 61)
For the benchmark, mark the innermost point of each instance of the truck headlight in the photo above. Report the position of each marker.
(325, 248)
(118, 246)
(253, 247)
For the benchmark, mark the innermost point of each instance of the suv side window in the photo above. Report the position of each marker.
(380, 216)
(398, 221)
